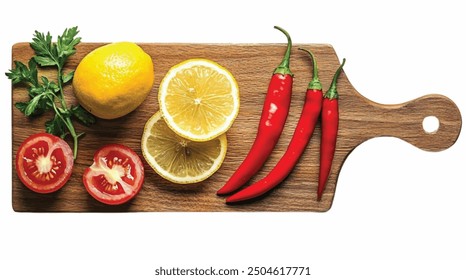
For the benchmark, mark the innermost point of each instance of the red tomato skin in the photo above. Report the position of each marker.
(89, 179)
(67, 158)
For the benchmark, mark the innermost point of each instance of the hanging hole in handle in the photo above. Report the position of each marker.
(431, 124)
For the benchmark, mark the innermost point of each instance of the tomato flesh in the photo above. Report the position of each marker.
(116, 175)
(44, 163)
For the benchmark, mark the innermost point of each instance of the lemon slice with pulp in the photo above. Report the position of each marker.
(199, 99)
(178, 159)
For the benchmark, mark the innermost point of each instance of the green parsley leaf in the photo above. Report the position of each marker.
(56, 126)
(33, 71)
(16, 75)
(32, 105)
(42, 100)
(67, 42)
(45, 61)
(49, 85)
(46, 51)
(21, 106)
(68, 77)
(82, 115)
(22, 74)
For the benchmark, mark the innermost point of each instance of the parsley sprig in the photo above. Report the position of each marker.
(46, 95)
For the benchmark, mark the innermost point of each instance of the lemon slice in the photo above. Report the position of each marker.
(177, 159)
(199, 99)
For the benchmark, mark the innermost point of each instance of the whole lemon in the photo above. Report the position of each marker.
(113, 80)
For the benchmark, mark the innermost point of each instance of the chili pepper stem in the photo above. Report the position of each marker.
(315, 82)
(284, 67)
(332, 91)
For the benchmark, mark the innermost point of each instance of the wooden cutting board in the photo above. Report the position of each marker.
(252, 65)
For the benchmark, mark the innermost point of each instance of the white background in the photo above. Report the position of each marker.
(399, 212)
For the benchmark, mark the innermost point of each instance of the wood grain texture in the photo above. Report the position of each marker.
(252, 65)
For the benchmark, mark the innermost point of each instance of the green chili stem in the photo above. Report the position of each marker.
(332, 91)
(315, 82)
(284, 67)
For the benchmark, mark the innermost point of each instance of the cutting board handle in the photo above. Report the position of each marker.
(405, 121)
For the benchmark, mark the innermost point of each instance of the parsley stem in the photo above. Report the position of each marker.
(60, 86)
(70, 126)
(67, 121)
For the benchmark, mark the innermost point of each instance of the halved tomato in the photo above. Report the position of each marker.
(116, 175)
(44, 162)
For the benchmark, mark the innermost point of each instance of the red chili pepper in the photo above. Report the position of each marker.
(272, 121)
(329, 127)
(302, 134)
